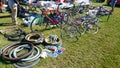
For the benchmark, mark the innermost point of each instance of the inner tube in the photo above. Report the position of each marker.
(35, 38)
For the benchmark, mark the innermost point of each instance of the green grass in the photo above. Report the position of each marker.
(101, 50)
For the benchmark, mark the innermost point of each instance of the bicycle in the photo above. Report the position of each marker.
(52, 17)
(102, 11)
(72, 30)
(90, 24)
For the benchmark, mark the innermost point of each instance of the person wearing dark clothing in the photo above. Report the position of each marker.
(113, 2)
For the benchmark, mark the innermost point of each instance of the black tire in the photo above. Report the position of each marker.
(15, 35)
(6, 52)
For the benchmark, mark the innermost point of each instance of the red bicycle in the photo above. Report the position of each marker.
(49, 17)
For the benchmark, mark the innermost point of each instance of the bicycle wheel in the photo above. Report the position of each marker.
(81, 30)
(6, 52)
(70, 33)
(64, 20)
(36, 23)
(92, 28)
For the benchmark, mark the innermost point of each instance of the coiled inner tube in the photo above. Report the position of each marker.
(14, 34)
(5, 53)
(53, 39)
(33, 56)
(34, 37)
(14, 53)
(26, 64)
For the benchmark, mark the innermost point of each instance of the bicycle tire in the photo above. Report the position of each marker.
(26, 64)
(5, 53)
(36, 23)
(32, 57)
(81, 29)
(17, 34)
(4, 48)
(34, 38)
(70, 33)
(70, 29)
(92, 28)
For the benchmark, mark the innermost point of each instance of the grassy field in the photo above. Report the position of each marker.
(101, 50)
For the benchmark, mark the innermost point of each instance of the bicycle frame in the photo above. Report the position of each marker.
(52, 21)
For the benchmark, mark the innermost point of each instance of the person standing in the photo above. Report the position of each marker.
(113, 2)
(13, 4)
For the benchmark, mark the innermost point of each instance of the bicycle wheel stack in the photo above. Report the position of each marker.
(28, 52)
(22, 55)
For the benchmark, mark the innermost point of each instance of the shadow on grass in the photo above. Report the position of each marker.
(6, 24)
(4, 61)
(5, 16)
(118, 6)
(44, 29)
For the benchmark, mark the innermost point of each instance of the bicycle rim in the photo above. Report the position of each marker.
(70, 34)
(93, 29)
(35, 25)
(35, 28)
(81, 29)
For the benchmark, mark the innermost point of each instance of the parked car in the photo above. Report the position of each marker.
(118, 2)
